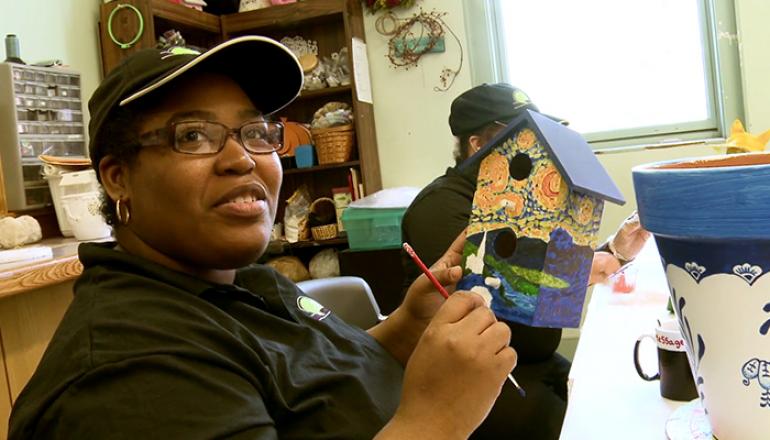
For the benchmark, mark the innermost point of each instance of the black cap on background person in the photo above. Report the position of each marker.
(487, 103)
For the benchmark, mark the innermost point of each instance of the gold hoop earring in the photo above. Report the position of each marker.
(120, 209)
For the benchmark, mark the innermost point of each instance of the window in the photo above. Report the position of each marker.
(622, 72)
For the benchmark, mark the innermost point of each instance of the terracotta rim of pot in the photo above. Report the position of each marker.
(720, 161)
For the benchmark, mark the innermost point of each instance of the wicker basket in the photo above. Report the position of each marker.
(327, 231)
(335, 144)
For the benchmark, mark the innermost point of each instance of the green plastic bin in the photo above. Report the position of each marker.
(373, 228)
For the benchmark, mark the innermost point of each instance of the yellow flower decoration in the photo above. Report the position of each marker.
(494, 172)
(549, 188)
(526, 139)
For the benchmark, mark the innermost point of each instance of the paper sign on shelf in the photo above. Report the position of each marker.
(361, 71)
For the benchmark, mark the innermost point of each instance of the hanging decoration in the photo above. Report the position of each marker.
(377, 5)
(413, 37)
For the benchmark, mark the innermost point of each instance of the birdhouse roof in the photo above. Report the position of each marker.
(569, 151)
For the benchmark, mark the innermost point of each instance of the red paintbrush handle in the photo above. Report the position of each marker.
(425, 270)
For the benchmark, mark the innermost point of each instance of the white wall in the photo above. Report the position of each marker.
(412, 130)
(56, 29)
(754, 36)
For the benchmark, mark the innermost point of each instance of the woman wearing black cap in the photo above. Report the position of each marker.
(476, 117)
(166, 339)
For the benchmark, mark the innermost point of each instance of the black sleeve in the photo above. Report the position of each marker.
(430, 225)
(159, 396)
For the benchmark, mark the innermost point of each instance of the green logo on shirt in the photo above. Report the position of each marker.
(312, 308)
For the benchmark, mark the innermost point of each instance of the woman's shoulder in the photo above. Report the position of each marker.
(265, 280)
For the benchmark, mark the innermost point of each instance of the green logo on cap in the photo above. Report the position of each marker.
(520, 97)
(177, 50)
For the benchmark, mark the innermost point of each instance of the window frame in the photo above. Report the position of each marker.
(487, 61)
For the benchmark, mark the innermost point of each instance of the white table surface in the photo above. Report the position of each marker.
(607, 398)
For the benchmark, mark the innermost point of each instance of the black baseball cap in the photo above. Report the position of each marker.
(267, 71)
(487, 103)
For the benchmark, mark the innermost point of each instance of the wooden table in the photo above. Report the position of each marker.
(607, 399)
(33, 299)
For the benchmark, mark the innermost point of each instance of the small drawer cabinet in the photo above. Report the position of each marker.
(41, 112)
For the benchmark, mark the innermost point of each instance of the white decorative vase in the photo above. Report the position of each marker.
(84, 216)
(711, 221)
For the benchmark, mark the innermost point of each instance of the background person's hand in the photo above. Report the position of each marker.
(604, 265)
(629, 238)
(457, 369)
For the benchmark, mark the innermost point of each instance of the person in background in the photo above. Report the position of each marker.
(442, 210)
(174, 333)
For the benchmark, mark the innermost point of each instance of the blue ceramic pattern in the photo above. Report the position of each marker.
(759, 370)
(697, 343)
(672, 203)
(747, 259)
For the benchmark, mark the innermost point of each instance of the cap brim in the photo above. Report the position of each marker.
(268, 72)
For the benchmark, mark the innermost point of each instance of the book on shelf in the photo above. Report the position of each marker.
(355, 183)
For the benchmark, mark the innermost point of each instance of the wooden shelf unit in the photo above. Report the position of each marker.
(186, 16)
(198, 28)
(331, 23)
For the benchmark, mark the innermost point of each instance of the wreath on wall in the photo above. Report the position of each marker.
(411, 38)
(376, 5)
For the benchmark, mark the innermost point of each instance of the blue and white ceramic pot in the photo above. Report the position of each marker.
(711, 222)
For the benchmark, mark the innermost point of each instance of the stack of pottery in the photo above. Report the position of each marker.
(711, 222)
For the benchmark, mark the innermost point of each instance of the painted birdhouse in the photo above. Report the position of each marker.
(533, 227)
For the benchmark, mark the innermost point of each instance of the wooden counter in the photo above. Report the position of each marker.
(33, 299)
(63, 267)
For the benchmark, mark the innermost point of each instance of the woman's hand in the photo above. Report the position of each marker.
(404, 327)
(422, 300)
(455, 373)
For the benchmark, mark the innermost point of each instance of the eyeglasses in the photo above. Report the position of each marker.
(208, 137)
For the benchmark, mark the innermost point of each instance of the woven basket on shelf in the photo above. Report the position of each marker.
(334, 144)
(323, 232)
